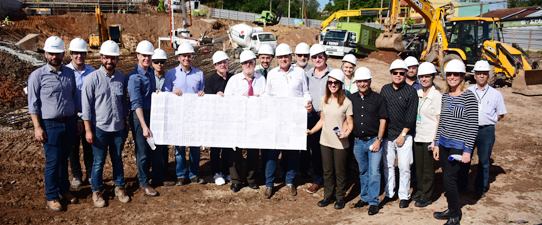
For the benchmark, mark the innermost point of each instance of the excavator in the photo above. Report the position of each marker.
(471, 39)
(114, 32)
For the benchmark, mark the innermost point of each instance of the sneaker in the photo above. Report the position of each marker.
(228, 178)
(97, 198)
(121, 193)
(76, 182)
(219, 179)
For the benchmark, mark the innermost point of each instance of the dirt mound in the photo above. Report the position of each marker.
(13, 79)
(293, 36)
(384, 56)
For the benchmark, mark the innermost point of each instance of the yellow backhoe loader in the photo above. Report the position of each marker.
(471, 39)
(111, 32)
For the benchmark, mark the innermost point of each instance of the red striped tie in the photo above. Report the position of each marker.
(250, 90)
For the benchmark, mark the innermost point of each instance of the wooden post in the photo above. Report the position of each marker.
(514, 37)
(530, 37)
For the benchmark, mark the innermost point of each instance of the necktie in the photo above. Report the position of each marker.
(250, 90)
(265, 73)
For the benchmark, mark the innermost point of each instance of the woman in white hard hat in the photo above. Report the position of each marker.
(336, 108)
(457, 130)
(348, 67)
(427, 118)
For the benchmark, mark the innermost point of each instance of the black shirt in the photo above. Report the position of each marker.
(367, 113)
(216, 83)
(402, 105)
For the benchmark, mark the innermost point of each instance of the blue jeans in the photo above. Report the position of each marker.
(57, 148)
(369, 170)
(271, 165)
(145, 156)
(180, 160)
(102, 141)
(484, 147)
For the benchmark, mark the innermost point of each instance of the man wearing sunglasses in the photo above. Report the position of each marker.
(216, 83)
(317, 77)
(159, 65)
(265, 55)
(78, 54)
(285, 81)
(402, 103)
(179, 80)
(302, 51)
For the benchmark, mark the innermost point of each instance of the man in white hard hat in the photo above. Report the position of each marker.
(412, 73)
(285, 80)
(317, 78)
(302, 53)
(78, 54)
(265, 55)
(247, 83)
(185, 79)
(215, 84)
(402, 103)
(370, 115)
(104, 108)
(141, 85)
(53, 105)
(159, 63)
(491, 109)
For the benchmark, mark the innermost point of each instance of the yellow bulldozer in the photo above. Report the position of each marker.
(111, 32)
(471, 39)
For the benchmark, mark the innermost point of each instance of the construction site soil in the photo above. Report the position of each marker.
(515, 193)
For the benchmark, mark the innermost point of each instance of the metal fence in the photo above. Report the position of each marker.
(528, 39)
(59, 7)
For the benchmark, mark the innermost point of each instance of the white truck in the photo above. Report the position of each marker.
(244, 37)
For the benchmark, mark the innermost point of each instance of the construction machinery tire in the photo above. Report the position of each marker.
(445, 61)
(492, 76)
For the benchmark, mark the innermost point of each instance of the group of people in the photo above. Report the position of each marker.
(409, 120)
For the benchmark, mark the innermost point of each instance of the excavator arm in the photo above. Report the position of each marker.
(101, 25)
(339, 14)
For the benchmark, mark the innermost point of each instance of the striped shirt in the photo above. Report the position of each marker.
(402, 104)
(458, 125)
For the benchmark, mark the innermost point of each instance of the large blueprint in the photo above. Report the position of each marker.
(215, 121)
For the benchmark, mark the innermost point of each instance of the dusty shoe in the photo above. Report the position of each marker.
(121, 193)
(97, 198)
(54, 206)
(314, 188)
(291, 189)
(76, 182)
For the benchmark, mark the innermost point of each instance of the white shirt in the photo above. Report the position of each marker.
(428, 110)
(238, 85)
(292, 83)
(307, 67)
(490, 104)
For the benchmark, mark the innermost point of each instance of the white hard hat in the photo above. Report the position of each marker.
(398, 64)
(283, 49)
(363, 73)
(219, 56)
(482, 65)
(54, 44)
(455, 66)
(350, 58)
(159, 54)
(317, 49)
(145, 47)
(302, 48)
(245, 56)
(411, 61)
(78, 45)
(265, 49)
(426, 68)
(184, 48)
(110, 48)
(337, 74)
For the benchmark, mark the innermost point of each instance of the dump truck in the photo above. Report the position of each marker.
(244, 37)
(349, 38)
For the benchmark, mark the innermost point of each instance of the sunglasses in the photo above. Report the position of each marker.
(248, 62)
(222, 62)
(398, 73)
(303, 55)
(453, 74)
(317, 56)
(333, 82)
(163, 62)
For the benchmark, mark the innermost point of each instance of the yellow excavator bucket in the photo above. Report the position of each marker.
(390, 42)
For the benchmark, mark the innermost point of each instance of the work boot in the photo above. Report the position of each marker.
(97, 198)
(121, 193)
(54, 206)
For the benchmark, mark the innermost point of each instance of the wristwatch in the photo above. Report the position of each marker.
(403, 134)
(380, 139)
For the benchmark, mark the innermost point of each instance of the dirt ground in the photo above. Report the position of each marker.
(515, 193)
